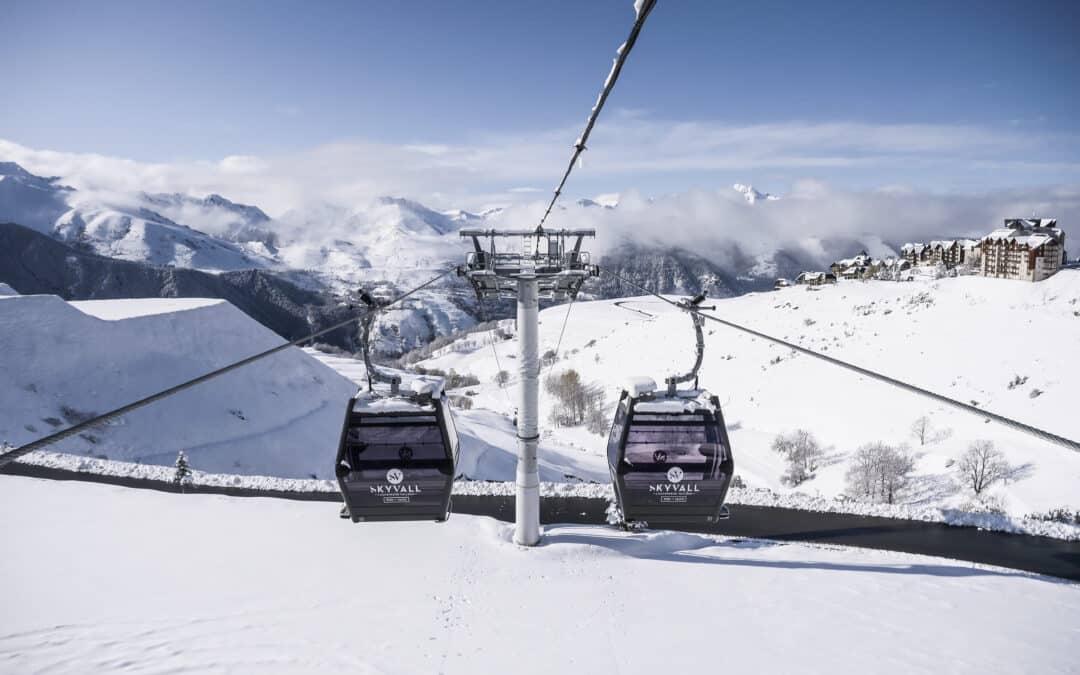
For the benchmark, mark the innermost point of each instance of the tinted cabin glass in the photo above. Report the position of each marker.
(664, 439)
(417, 439)
(616, 433)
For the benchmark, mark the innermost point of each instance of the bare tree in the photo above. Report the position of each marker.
(574, 399)
(597, 421)
(895, 473)
(921, 429)
(982, 465)
(802, 452)
(880, 472)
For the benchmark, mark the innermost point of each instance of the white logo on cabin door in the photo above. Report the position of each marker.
(395, 476)
(675, 474)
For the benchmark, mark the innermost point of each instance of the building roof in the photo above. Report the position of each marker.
(1030, 232)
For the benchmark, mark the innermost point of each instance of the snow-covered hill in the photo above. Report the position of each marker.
(970, 338)
(139, 581)
(64, 362)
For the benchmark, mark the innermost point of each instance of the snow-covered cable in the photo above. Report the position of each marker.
(642, 8)
(1001, 419)
(18, 452)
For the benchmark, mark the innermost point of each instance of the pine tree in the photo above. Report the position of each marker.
(183, 476)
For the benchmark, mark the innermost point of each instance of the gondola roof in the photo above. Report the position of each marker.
(643, 390)
(421, 394)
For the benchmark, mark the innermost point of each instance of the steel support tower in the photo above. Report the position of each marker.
(548, 265)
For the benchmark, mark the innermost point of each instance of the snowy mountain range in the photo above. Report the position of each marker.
(124, 227)
(334, 249)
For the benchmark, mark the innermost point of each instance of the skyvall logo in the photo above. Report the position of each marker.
(394, 489)
(684, 488)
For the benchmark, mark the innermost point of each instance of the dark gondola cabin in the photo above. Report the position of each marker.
(669, 455)
(398, 454)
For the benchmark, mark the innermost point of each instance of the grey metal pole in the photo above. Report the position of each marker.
(527, 504)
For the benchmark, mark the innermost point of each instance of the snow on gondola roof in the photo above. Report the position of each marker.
(381, 400)
(643, 389)
(639, 385)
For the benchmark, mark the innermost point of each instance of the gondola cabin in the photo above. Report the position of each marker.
(398, 454)
(669, 455)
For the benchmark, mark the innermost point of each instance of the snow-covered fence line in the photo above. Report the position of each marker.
(161, 477)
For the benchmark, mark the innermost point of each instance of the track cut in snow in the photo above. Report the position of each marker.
(147, 582)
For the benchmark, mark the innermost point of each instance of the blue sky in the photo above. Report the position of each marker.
(936, 95)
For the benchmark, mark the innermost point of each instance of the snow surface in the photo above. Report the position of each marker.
(965, 337)
(146, 582)
(7, 291)
(118, 310)
(64, 362)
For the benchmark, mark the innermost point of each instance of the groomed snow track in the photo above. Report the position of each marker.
(1041, 555)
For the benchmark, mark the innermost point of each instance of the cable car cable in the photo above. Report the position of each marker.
(18, 452)
(609, 84)
(562, 331)
(1001, 419)
(494, 351)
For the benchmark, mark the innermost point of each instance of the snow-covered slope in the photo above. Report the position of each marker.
(220, 217)
(138, 581)
(394, 240)
(63, 362)
(32, 201)
(967, 338)
(115, 226)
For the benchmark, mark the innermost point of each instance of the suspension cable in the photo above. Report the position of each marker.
(18, 452)
(1001, 419)
(609, 84)
(562, 331)
(494, 351)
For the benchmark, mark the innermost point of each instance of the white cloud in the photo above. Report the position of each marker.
(814, 219)
(627, 149)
